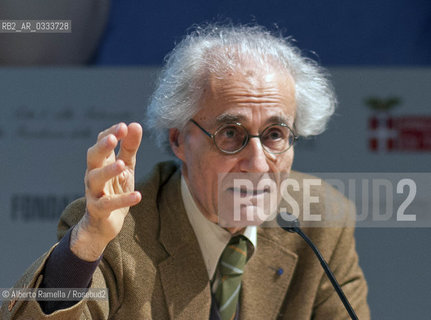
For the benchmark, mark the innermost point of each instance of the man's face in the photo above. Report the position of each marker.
(256, 99)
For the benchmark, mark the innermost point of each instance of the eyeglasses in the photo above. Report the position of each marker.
(231, 138)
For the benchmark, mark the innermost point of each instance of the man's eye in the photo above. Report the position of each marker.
(230, 132)
(274, 134)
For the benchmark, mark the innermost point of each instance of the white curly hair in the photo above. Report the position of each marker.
(209, 50)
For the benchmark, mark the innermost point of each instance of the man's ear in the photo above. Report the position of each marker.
(176, 141)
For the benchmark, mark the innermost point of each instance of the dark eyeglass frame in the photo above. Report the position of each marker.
(247, 139)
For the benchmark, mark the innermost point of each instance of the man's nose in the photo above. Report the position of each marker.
(254, 158)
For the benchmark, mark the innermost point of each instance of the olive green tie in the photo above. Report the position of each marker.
(231, 266)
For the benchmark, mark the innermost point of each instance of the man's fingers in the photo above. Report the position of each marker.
(107, 141)
(97, 154)
(119, 130)
(109, 203)
(130, 144)
(96, 179)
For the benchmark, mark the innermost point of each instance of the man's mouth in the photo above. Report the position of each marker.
(243, 192)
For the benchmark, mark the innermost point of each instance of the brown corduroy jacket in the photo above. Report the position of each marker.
(154, 268)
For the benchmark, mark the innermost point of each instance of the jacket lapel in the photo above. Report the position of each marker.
(183, 274)
(263, 289)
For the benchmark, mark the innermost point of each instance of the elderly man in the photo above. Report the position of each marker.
(230, 100)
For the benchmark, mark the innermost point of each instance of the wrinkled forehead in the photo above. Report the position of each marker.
(249, 92)
(235, 78)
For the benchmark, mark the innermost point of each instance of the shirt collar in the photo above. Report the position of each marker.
(211, 237)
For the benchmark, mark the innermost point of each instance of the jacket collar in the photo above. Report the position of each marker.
(267, 275)
(184, 276)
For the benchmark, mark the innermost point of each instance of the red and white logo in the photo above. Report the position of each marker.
(389, 133)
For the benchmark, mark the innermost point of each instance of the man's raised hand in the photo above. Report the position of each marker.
(109, 189)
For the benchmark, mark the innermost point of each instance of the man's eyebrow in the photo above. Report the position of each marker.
(228, 117)
(277, 119)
